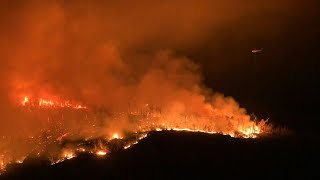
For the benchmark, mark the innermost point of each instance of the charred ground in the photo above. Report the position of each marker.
(175, 155)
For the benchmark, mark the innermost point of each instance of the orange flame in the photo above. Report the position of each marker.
(101, 153)
(158, 122)
(25, 101)
(45, 103)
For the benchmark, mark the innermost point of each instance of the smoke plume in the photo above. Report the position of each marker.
(119, 55)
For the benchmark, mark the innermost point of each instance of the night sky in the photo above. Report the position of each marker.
(286, 85)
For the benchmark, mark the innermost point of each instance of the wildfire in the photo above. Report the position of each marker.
(25, 101)
(135, 142)
(57, 133)
(251, 132)
(45, 103)
(68, 155)
(2, 165)
(115, 136)
(101, 153)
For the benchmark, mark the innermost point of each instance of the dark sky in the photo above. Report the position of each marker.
(286, 87)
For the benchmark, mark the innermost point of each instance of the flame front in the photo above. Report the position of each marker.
(45, 103)
(55, 132)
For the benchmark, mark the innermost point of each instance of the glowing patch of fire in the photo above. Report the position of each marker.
(101, 153)
(69, 156)
(248, 129)
(25, 101)
(45, 103)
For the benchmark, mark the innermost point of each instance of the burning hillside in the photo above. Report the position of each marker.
(44, 103)
(90, 132)
(74, 79)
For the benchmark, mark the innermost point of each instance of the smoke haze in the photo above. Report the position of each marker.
(115, 54)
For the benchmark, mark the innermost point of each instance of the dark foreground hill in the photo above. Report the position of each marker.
(177, 155)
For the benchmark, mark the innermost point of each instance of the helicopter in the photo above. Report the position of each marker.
(255, 51)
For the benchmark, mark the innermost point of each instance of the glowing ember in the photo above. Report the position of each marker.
(25, 101)
(45, 103)
(2, 166)
(82, 150)
(69, 156)
(135, 142)
(101, 153)
(115, 136)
